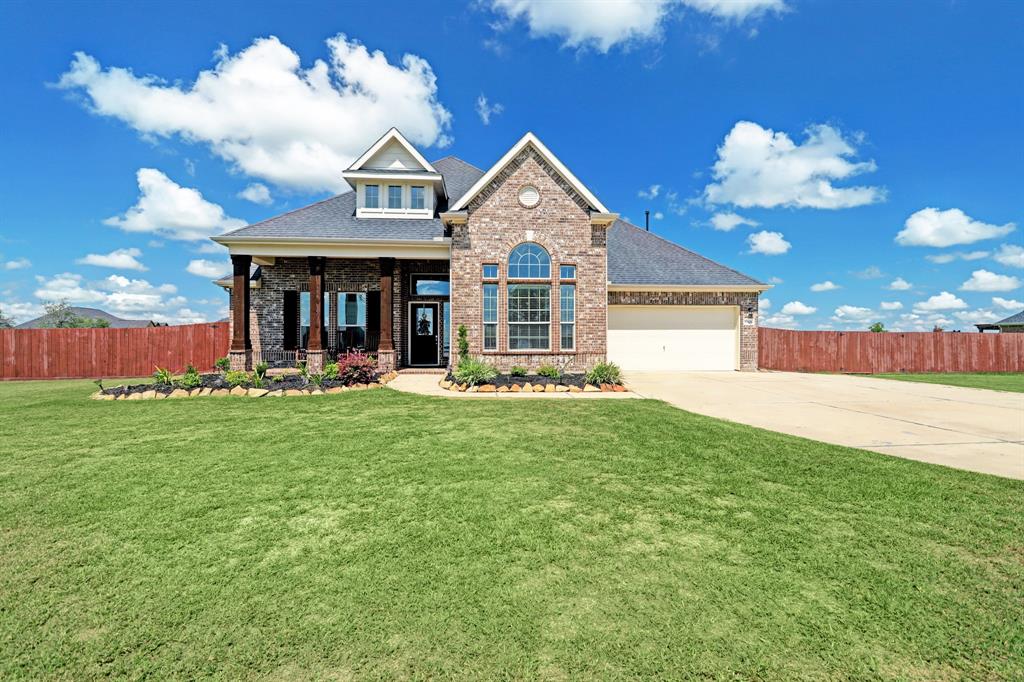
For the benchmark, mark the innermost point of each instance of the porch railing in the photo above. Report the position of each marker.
(289, 358)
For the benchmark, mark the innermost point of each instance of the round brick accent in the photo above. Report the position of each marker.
(528, 196)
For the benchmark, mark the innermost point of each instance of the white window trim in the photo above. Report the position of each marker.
(384, 193)
(571, 283)
(509, 323)
(497, 317)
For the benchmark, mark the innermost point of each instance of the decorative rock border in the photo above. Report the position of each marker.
(241, 391)
(456, 387)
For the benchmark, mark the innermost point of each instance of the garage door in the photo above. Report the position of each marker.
(666, 337)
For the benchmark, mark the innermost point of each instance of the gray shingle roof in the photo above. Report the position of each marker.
(636, 256)
(1012, 319)
(335, 218)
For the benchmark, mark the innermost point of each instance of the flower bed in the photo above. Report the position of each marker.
(535, 383)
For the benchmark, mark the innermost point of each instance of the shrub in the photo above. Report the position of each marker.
(605, 373)
(163, 376)
(549, 371)
(517, 371)
(223, 364)
(278, 379)
(191, 378)
(237, 377)
(463, 343)
(331, 370)
(260, 370)
(472, 371)
(357, 368)
(316, 379)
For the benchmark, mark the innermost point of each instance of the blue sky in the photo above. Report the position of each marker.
(845, 145)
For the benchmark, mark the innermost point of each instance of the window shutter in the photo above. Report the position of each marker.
(291, 320)
(373, 312)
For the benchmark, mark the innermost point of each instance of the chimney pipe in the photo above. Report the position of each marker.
(647, 220)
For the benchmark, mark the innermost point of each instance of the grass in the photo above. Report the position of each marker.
(995, 382)
(381, 535)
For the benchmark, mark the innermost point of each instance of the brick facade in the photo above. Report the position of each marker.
(746, 301)
(560, 222)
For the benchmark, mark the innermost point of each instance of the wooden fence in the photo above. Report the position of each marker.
(873, 353)
(94, 353)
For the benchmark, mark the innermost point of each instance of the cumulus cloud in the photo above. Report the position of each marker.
(899, 284)
(933, 227)
(1010, 255)
(943, 258)
(119, 295)
(852, 313)
(119, 259)
(172, 211)
(730, 221)
(485, 109)
(779, 320)
(269, 117)
(827, 285)
(891, 305)
(760, 167)
(208, 268)
(21, 311)
(1007, 303)
(763, 304)
(257, 193)
(768, 243)
(979, 316)
(798, 308)
(649, 193)
(17, 264)
(984, 280)
(942, 301)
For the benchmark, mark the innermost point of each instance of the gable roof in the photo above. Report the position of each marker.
(335, 218)
(528, 139)
(1013, 320)
(641, 258)
(393, 135)
(115, 321)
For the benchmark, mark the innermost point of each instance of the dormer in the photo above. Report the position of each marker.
(393, 180)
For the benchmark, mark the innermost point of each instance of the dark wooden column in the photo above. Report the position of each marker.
(387, 273)
(240, 339)
(316, 303)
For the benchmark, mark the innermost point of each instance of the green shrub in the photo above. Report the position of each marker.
(278, 379)
(518, 371)
(191, 378)
(237, 377)
(223, 364)
(463, 343)
(331, 370)
(549, 371)
(163, 376)
(316, 379)
(472, 371)
(605, 373)
(260, 370)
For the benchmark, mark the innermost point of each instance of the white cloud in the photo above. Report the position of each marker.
(18, 264)
(211, 247)
(932, 227)
(485, 109)
(1007, 303)
(1010, 255)
(979, 316)
(269, 117)
(891, 305)
(899, 284)
(649, 193)
(658, 215)
(20, 311)
(768, 243)
(736, 9)
(779, 320)
(763, 304)
(870, 272)
(119, 259)
(943, 301)
(208, 268)
(730, 221)
(852, 313)
(827, 285)
(798, 308)
(984, 280)
(760, 167)
(943, 258)
(134, 298)
(172, 211)
(257, 193)
(775, 280)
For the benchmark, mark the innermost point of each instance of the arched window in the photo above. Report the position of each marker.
(529, 261)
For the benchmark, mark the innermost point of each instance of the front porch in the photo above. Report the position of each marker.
(315, 308)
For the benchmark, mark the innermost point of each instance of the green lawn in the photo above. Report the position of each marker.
(381, 535)
(995, 382)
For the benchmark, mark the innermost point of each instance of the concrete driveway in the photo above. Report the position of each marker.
(966, 428)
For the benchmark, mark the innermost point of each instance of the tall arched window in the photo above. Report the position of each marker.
(529, 305)
(529, 261)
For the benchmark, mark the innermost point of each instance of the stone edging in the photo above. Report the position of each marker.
(531, 388)
(240, 391)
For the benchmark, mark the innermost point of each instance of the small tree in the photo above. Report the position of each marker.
(60, 316)
(463, 343)
(5, 322)
(937, 328)
(877, 327)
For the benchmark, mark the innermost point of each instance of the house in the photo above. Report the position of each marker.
(1014, 324)
(522, 254)
(113, 321)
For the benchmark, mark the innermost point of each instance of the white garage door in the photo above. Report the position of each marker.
(670, 337)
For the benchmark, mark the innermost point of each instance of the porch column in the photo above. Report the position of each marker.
(240, 354)
(386, 345)
(315, 348)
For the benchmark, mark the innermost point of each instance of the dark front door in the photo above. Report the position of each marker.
(423, 334)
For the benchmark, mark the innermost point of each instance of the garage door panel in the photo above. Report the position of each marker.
(673, 337)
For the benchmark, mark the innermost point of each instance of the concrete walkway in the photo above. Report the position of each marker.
(426, 384)
(966, 428)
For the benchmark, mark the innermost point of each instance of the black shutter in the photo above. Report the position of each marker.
(291, 320)
(372, 316)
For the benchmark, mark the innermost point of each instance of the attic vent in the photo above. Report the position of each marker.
(529, 196)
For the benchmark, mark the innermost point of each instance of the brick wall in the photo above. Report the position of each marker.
(403, 295)
(560, 223)
(747, 302)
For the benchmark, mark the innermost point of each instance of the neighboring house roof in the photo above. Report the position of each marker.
(115, 321)
(255, 278)
(639, 257)
(1016, 320)
(335, 218)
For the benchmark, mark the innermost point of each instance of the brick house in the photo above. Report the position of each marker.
(523, 254)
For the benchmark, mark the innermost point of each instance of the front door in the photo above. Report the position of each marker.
(424, 349)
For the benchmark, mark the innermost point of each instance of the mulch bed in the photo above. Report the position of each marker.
(282, 382)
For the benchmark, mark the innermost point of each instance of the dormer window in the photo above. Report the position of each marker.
(393, 180)
(417, 198)
(394, 196)
(372, 196)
